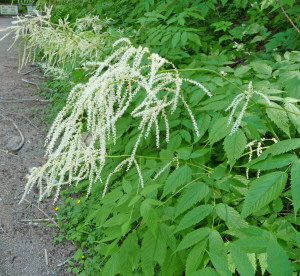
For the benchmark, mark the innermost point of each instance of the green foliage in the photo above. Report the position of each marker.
(205, 217)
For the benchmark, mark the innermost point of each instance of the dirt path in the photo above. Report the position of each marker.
(25, 247)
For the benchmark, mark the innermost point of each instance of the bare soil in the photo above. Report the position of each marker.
(26, 245)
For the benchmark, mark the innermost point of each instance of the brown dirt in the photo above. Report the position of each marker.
(23, 244)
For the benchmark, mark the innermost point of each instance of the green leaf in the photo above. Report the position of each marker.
(195, 257)
(176, 39)
(184, 37)
(176, 179)
(284, 146)
(279, 117)
(295, 119)
(194, 38)
(216, 244)
(130, 253)
(194, 216)
(262, 191)
(78, 254)
(111, 267)
(111, 197)
(253, 244)
(295, 185)
(261, 67)
(276, 149)
(220, 264)
(262, 258)
(219, 130)
(234, 145)
(241, 260)
(206, 272)
(152, 249)
(116, 220)
(203, 124)
(231, 217)
(184, 153)
(193, 237)
(274, 162)
(149, 189)
(278, 262)
(242, 71)
(193, 194)
(149, 215)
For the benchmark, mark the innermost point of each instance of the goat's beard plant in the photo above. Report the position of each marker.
(129, 82)
(61, 43)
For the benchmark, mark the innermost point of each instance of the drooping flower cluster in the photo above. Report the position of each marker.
(130, 77)
(246, 95)
(258, 152)
(63, 42)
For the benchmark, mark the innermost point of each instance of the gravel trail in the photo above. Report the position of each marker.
(26, 247)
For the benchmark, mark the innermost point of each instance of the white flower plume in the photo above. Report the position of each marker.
(129, 78)
(246, 95)
(82, 40)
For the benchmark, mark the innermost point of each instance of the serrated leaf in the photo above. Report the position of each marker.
(206, 272)
(111, 266)
(184, 37)
(295, 119)
(194, 38)
(274, 162)
(177, 178)
(253, 244)
(219, 130)
(241, 71)
(234, 145)
(216, 244)
(194, 216)
(199, 153)
(186, 135)
(261, 67)
(78, 254)
(111, 197)
(149, 215)
(116, 220)
(279, 117)
(193, 237)
(295, 185)
(276, 149)
(203, 124)
(149, 189)
(220, 264)
(195, 257)
(184, 153)
(193, 194)
(262, 258)
(231, 217)
(152, 249)
(241, 260)
(176, 39)
(129, 254)
(262, 191)
(278, 262)
(284, 146)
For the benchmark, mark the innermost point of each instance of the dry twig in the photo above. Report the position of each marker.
(286, 15)
(37, 220)
(63, 263)
(13, 100)
(26, 73)
(30, 82)
(46, 257)
(41, 211)
(16, 149)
